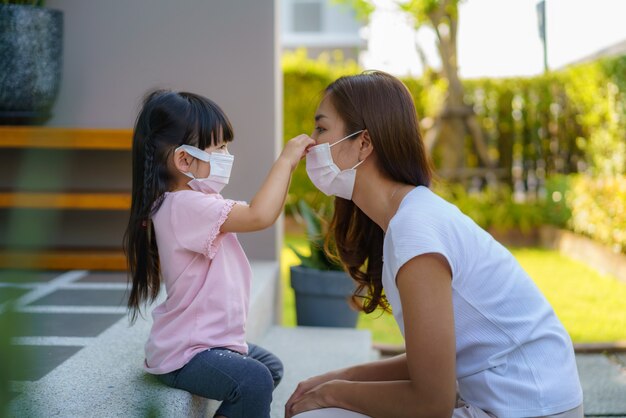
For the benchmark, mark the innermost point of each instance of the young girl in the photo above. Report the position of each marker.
(182, 230)
(481, 340)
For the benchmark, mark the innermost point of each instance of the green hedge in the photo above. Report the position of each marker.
(493, 208)
(598, 207)
(598, 91)
(591, 206)
(557, 210)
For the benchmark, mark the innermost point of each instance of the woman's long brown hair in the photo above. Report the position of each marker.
(382, 104)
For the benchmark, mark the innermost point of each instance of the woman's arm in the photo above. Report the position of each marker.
(268, 202)
(425, 290)
(394, 368)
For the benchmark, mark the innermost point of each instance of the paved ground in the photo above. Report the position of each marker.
(58, 314)
(603, 378)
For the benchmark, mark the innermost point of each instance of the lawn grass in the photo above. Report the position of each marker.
(591, 306)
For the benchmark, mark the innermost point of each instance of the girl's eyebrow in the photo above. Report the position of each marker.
(319, 116)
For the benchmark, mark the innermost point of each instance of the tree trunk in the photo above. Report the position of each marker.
(457, 120)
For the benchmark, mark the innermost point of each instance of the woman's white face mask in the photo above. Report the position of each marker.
(325, 174)
(221, 166)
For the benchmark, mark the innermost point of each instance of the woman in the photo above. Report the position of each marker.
(481, 340)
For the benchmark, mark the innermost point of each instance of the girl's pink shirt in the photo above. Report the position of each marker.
(207, 280)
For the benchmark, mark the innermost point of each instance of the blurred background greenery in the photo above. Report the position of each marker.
(558, 141)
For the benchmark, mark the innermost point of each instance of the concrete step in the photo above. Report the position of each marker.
(309, 351)
(105, 378)
(603, 379)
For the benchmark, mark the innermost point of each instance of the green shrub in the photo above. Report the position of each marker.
(598, 207)
(493, 207)
(556, 208)
(598, 92)
(316, 223)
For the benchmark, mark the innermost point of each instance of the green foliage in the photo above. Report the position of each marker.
(598, 92)
(598, 207)
(561, 122)
(316, 223)
(591, 206)
(493, 207)
(557, 211)
(423, 10)
(529, 122)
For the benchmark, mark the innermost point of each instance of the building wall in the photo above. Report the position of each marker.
(320, 26)
(116, 50)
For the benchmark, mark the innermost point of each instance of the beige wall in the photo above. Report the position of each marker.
(115, 50)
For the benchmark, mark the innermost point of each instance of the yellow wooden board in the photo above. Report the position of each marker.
(80, 201)
(63, 260)
(65, 138)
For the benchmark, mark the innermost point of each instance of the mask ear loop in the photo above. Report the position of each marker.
(195, 152)
(346, 137)
(185, 148)
(349, 136)
(358, 164)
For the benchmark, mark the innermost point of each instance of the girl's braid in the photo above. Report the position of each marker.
(148, 177)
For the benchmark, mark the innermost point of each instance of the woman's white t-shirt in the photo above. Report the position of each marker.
(513, 356)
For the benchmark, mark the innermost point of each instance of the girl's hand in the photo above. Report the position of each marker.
(316, 398)
(296, 148)
(306, 386)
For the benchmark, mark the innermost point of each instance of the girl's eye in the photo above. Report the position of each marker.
(319, 129)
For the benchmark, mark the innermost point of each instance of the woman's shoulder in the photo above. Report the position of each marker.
(422, 211)
(422, 202)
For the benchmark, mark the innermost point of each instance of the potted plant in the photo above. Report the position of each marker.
(322, 288)
(31, 46)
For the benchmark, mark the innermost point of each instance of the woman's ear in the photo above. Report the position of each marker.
(182, 160)
(366, 145)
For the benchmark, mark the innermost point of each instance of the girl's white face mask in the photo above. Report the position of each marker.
(221, 166)
(325, 174)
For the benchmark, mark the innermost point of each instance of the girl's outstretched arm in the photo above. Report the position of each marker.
(267, 204)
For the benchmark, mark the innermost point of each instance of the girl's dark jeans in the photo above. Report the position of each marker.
(244, 383)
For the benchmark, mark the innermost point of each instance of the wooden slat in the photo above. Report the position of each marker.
(80, 201)
(63, 260)
(65, 138)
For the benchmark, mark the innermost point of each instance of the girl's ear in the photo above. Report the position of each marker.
(182, 160)
(366, 145)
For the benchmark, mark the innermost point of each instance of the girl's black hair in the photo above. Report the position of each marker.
(167, 120)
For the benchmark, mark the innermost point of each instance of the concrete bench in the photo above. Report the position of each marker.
(105, 378)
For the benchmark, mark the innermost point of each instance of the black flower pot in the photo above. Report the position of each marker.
(31, 46)
(322, 297)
